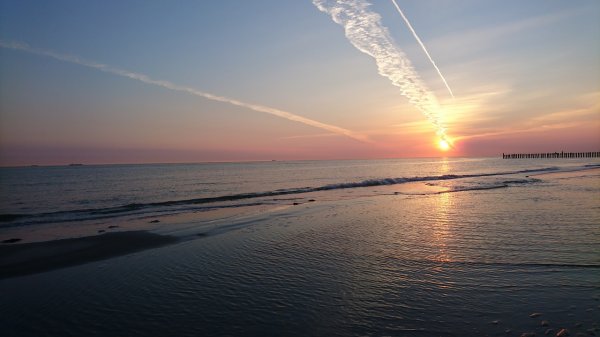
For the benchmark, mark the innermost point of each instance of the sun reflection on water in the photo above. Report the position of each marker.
(442, 229)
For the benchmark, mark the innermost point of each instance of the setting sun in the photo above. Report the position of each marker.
(443, 145)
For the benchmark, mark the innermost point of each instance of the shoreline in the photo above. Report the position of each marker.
(95, 242)
(37, 257)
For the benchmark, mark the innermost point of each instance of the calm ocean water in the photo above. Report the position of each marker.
(81, 192)
(369, 257)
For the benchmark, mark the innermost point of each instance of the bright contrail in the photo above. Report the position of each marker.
(364, 30)
(423, 47)
(172, 86)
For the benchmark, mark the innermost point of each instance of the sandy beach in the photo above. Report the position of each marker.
(31, 258)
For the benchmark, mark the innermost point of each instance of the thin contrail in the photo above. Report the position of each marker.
(364, 30)
(423, 47)
(172, 86)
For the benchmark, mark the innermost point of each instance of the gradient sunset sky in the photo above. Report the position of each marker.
(525, 75)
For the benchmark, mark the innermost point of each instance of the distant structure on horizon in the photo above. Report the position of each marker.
(561, 154)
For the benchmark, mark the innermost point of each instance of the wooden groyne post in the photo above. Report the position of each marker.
(561, 154)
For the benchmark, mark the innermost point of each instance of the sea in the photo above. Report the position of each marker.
(394, 247)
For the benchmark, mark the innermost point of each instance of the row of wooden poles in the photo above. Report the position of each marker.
(552, 155)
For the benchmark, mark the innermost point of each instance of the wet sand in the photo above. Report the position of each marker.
(159, 223)
(32, 258)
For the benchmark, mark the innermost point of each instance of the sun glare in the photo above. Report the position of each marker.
(443, 145)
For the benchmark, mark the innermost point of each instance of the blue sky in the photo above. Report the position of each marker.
(525, 75)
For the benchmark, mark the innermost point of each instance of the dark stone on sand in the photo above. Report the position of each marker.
(101, 231)
(535, 314)
(311, 200)
(12, 240)
(112, 226)
(37, 257)
(296, 203)
(562, 333)
(155, 221)
(201, 234)
(528, 334)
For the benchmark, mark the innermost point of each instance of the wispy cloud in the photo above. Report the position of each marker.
(563, 119)
(364, 30)
(176, 87)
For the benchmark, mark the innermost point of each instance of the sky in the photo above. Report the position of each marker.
(100, 82)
